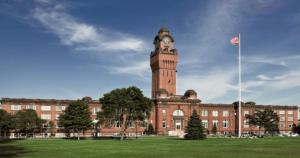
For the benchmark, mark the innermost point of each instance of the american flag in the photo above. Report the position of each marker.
(235, 41)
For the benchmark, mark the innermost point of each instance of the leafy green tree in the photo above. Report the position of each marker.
(150, 129)
(214, 130)
(102, 121)
(195, 129)
(6, 123)
(266, 119)
(125, 105)
(76, 118)
(27, 122)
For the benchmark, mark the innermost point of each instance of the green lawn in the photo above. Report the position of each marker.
(156, 147)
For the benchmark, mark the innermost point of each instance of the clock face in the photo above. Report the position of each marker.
(166, 40)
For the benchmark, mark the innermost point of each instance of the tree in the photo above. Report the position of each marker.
(28, 122)
(150, 129)
(195, 129)
(6, 123)
(266, 119)
(76, 118)
(52, 128)
(125, 105)
(214, 130)
(296, 129)
(102, 122)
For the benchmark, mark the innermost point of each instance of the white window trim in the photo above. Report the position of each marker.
(33, 107)
(225, 113)
(15, 107)
(46, 116)
(164, 124)
(43, 108)
(205, 123)
(215, 113)
(204, 113)
(226, 122)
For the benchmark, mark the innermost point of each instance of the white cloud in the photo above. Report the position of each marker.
(264, 77)
(209, 86)
(82, 36)
(288, 80)
(265, 60)
(284, 61)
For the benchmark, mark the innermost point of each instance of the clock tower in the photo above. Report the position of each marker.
(163, 61)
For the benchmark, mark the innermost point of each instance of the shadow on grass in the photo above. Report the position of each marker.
(175, 138)
(183, 139)
(114, 138)
(8, 150)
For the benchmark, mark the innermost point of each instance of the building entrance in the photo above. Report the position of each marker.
(177, 125)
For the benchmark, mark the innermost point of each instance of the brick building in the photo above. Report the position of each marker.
(170, 112)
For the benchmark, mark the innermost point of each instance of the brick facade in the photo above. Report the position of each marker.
(170, 112)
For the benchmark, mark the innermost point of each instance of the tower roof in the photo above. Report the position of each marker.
(163, 29)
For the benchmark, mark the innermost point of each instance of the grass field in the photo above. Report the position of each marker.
(155, 147)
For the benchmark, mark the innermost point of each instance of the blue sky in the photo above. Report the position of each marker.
(70, 49)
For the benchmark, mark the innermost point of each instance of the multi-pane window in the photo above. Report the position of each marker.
(131, 124)
(95, 110)
(205, 123)
(246, 113)
(282, 118)
(246, 123)
(290, 112)
(290, 118)
(117, 124)
(281, 125)
(225, 113)
(204, 113)
(215, 123)
(15, 107)
(46, 116)
(57, 116)
(281, 112)
(215, 113)
(60, 108)
(225, 123)
(144, 123)
(33, 107)
(45, 108)
(164, 113)
(164, 124)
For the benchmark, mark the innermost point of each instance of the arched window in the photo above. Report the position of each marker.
(178, 113)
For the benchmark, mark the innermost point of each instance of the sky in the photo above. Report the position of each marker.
(65, 49)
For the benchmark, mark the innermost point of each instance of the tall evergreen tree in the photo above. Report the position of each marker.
(195, 129)
(296, 128)
(214, 130)
(76, 118)
(150, 129)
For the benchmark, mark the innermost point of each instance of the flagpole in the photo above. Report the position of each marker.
(240, 89)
